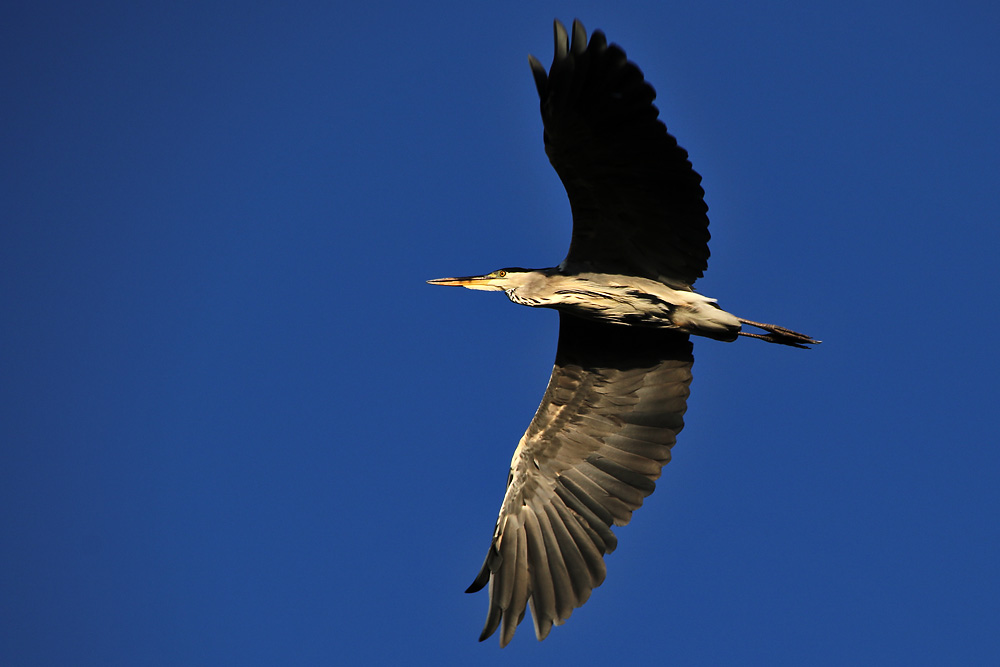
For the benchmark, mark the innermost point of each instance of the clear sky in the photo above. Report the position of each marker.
(237, 427)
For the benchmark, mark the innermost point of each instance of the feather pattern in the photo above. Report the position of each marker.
(604, 429)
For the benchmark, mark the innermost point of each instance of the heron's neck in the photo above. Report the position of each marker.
(535, 288)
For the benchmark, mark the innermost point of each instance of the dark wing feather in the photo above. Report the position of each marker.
(604, 429)
(638, 206)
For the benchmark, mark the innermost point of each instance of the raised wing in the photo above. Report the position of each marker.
(638, 206)
(604, 429)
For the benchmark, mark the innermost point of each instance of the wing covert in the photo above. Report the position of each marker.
(602, 433)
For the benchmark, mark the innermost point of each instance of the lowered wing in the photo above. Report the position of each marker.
(638, 206)
(603, 431)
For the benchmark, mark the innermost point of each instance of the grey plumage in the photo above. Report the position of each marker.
(603, 431)
(619, 386)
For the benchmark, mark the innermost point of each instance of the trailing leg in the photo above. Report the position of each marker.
(781, 335)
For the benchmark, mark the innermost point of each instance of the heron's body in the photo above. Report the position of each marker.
(611, 298)
(619, 386)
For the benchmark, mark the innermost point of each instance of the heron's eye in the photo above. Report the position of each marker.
(501, 274)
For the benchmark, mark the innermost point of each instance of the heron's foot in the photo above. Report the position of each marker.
(781, 335)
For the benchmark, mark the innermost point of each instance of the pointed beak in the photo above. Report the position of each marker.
(459, 282)
(488, 282)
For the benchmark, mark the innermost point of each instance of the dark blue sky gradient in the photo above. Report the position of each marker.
(236, 427)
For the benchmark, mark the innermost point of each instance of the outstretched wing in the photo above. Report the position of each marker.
(638, 206)
(604, 429)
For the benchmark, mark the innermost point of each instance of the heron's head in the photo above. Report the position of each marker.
(501, 280)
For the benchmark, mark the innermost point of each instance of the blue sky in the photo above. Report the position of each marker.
(237, 427)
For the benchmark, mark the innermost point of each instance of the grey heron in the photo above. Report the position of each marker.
(618, 390)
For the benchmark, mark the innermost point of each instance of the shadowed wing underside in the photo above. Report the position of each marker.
(638, 206)
(604, 429)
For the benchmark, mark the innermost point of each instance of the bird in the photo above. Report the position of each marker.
(616, 397)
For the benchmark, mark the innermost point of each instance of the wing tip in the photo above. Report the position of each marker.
(539, 73)
(579, 43)
(561, 39)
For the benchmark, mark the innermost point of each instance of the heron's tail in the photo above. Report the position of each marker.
(776, 334)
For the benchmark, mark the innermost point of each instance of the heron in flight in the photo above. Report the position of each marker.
(617, 394)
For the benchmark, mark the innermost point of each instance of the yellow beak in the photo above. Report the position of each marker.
(488, 282)
(462, 282)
